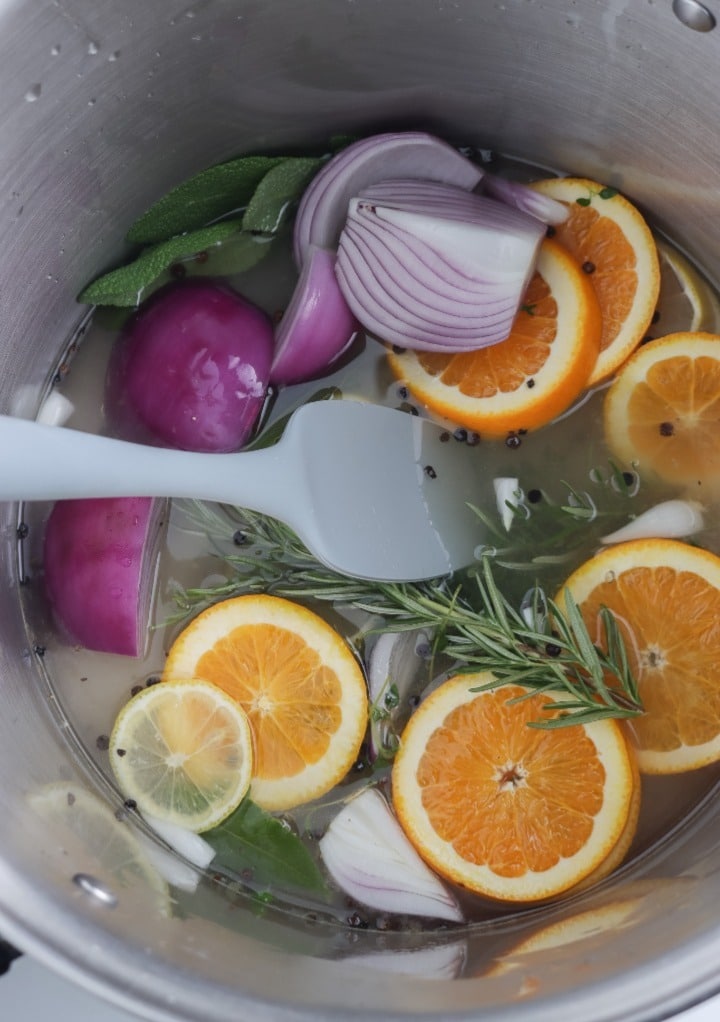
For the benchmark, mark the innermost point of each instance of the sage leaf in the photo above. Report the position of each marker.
(253, 840)
(279, 188)
(125, 285)
(213, 193)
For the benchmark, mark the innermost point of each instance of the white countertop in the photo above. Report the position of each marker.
(29, 992)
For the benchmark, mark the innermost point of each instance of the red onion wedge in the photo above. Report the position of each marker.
(369, 857)
(435, 268)
(100, 560)
(550, 211)
(317, 325)
(191, 369)
(410, 154)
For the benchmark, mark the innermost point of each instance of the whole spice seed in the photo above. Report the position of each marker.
(666, 429)
(588, 267)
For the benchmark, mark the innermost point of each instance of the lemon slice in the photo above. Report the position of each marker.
(88, 835)
(687, 302)
(183, 751)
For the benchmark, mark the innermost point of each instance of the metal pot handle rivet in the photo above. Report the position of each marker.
(694, 15)
(95, 889)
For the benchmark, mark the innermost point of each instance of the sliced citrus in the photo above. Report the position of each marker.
(620, 849)
(513, 812)
(525, 381)
(687, 302)
(297, 680)
(183, 751)
(666, 598)
(610, 239)
(662, 413)
(88, 835)
(593, 923)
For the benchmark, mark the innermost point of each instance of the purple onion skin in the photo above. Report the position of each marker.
(98, 572)
(190, 369)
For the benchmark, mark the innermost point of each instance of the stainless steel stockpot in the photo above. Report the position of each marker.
(103, 107)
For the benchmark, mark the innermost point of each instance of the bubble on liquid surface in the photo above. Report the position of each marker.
(33, 93)
(93, 48)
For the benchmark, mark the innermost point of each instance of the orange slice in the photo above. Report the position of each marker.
(609, 237)
(666, 598)
(662, 413)
(297, 680)
(523, 382)
(622, 846)
(513, 812)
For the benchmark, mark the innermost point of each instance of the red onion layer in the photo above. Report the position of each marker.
(317, 325)
(410, 154)
(433, 267)
(100, 558)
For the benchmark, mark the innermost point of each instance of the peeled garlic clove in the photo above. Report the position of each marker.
(671, 519)
(507, 491)
(369, 857)
(185, 842)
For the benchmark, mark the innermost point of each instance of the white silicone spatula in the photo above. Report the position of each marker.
(372, 492)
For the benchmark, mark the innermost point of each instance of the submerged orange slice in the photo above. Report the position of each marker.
(662, 413)
(610, 239)
(297, 680)
(523, 382)
(665, 596)
(510, 811)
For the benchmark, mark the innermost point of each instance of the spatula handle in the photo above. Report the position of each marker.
(39, 462)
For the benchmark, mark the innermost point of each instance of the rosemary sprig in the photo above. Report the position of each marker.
(474, 625)
(549, 532)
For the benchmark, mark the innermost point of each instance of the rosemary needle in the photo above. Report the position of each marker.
(473, 624)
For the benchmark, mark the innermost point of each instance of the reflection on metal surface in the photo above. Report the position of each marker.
(694, 15)
(95, 889)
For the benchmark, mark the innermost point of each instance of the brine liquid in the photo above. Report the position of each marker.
(88, 689)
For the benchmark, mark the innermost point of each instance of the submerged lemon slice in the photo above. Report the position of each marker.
(183, 751)
(687, 302)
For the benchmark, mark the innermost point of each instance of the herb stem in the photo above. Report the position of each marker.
(474, 625)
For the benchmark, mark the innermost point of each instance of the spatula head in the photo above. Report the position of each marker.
(387, 491)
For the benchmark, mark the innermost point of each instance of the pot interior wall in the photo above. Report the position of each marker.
(104, 107)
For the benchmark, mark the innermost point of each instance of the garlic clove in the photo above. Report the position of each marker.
(369, 857)
(671, 519)
(183, 841)
(507, 491)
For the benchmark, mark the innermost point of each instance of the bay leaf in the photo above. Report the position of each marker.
(253, 840)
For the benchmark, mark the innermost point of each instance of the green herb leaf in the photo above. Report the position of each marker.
(125, 285)
(279, 188)
(608, 193)
(253, 840)
(211, 194)
(583, 202)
